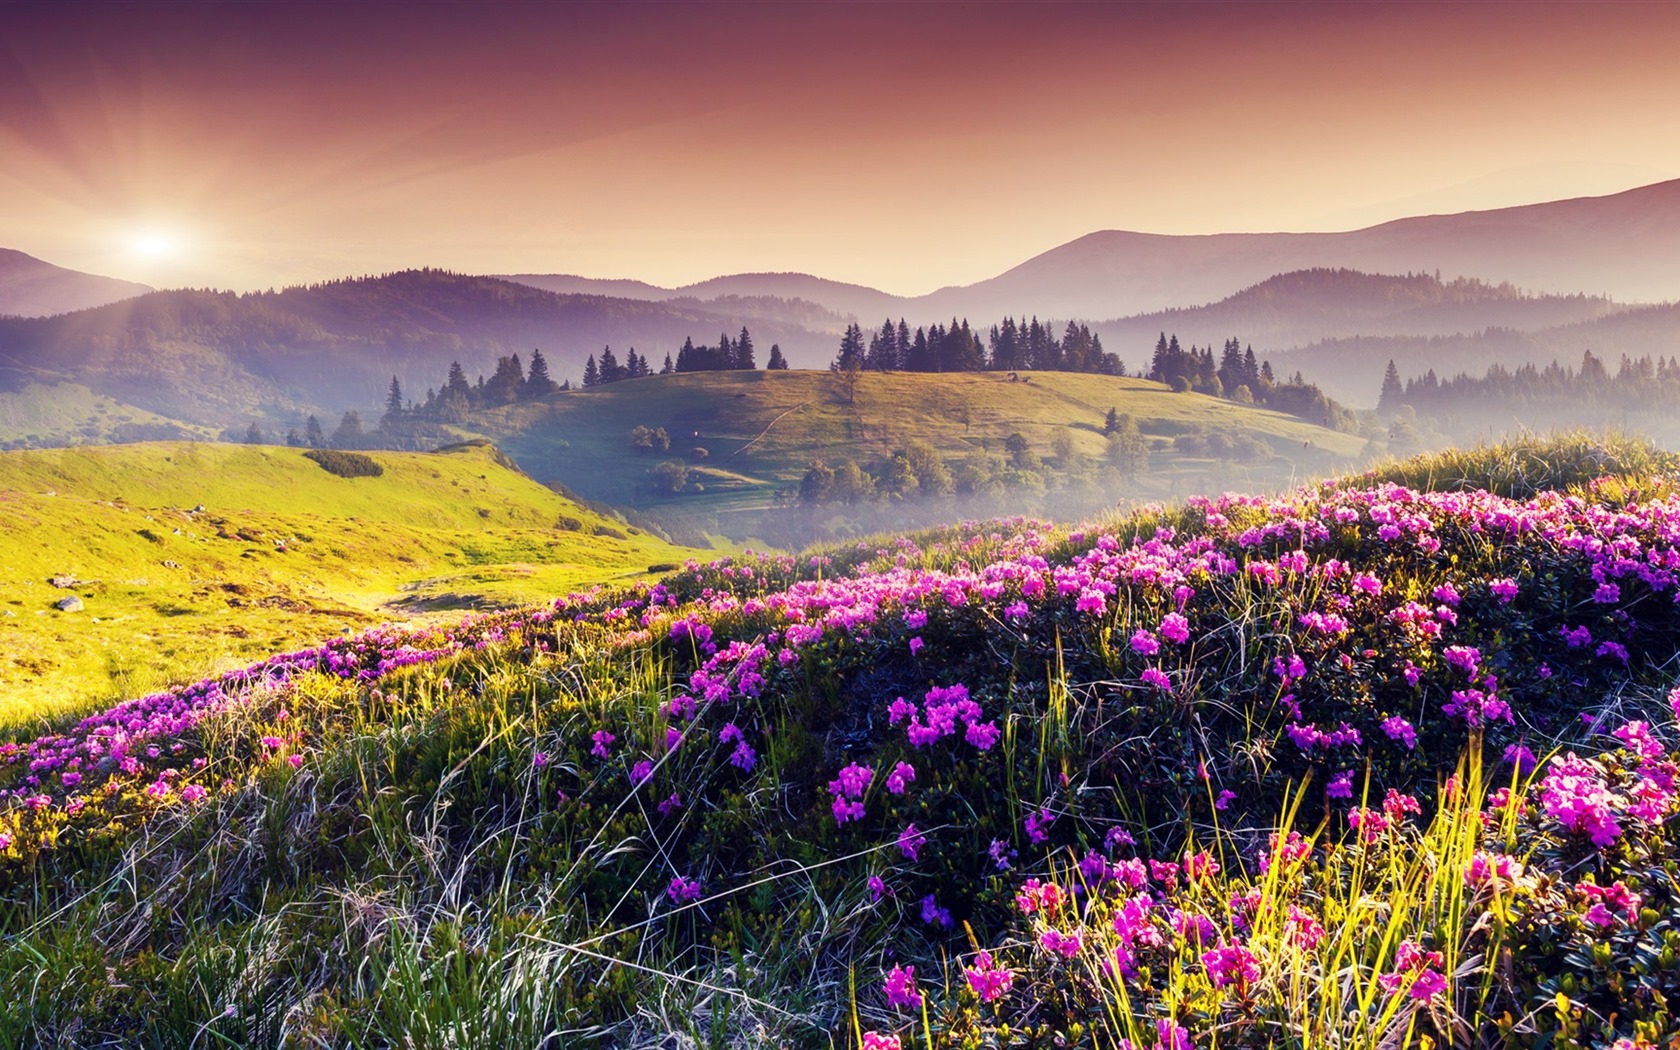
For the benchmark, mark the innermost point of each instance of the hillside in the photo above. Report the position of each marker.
(1189, 779)
(217, 358)
(1309, 306)
(761, 430)
(32, 288)
(282, 551)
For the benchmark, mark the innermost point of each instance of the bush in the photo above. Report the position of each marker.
(670, 477)
(345, 464)
(609, 532)
(568, 523)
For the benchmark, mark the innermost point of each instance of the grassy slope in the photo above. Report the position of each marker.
(171, 593)
(582, 437)
(67, 413)
(480, 900)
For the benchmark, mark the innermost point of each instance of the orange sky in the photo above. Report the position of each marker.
(901, 145)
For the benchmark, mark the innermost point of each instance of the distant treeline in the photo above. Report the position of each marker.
(1010, 347)
(1238, 376)
(1642, 389)
(727, 356)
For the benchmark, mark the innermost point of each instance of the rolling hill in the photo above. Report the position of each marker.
(759, 431)
(281, 551)
(30, 287)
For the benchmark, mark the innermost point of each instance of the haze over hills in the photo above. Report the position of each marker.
(1625, 245)
(213, 357)
(1306, 306)
(30, 287)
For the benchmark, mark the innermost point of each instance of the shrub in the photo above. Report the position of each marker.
(609, 532)
(345, 464)
(567, 523)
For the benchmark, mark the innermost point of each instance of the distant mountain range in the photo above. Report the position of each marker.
(1625, 245)
(32, 288)
(1336, 306)
(217, 357)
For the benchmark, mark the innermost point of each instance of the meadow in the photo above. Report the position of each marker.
(1381, 762)
(191, 558)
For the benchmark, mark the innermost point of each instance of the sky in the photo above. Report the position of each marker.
(905, 145)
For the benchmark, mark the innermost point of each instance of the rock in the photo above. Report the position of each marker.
(62, 582)
(171, 565)
(198, 509)
(70, 604)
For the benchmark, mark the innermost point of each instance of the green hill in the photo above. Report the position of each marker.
(282, 551)
(761, 430)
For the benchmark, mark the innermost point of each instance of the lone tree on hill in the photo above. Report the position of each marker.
(591, 372)
(312, 433)
(538, 383)
(1112, 422)
(393, 404)
(777, 362)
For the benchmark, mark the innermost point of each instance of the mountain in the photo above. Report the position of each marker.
(1351, 368)
(1625, 245)
(1307, 306)
(215, 358)
(32, 288)
(846, 301)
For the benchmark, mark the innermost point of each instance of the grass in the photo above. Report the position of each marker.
(762, 429)
(282, 553)
(485, 833)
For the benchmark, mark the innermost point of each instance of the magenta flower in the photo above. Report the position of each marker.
(933, 914)
(603, 743)
(682, 890)
(900, 777)
(1066, 945)
(877, 888)
(910, 842)
(987, 978)
(1038, 824)
(982, 735)
(900, 988)
(1230, 965)
(1144, 643)
(879, 1041)
(1175, 628)
(1154, 676)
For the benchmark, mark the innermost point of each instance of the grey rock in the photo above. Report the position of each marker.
(70, 604)
(63, 582)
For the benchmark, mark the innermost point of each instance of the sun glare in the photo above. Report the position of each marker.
(153, 244)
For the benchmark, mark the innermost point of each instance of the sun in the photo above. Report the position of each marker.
(154, 244)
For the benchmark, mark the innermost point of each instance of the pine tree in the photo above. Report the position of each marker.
(688, 356)
(611, 370)
(538, 383)
(1112, 422)
(393, 405)
(253, 435)
(1392, 392)
(312, 433)
(293, 439)
(777, 362)
(457, 383)
(851, 351)
(349, 432)
(744, 351)
(669, 368)
(591, 372)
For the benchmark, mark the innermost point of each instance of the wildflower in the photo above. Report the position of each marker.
(1156, 677)
(877, 1041)
(189, 793)
(916, 645)
(1230, 965)
(910, 842)
(852, 781)
(1144, 643)
(641, 772)
(1503, 589)
(877, 888)
(1225, 799)
(1521, 757)
(670, 805)
(539, 759)
(1015, 611)
(844, 810)
(900, 777)
(1037, 825)
(603, 743)
(1341, 785)
(988, 979)
(682, 890)
(295, 760)
(1575, 795)
(982, 735)
(899, 710)
(1116, 837)
(673, 737)
(900, 988)
(1001, 854)
(1175, 628)
(272, 743)
(1091, 601)
(1399, 729)
(1058, 943)
(743, 757)
(933, 914)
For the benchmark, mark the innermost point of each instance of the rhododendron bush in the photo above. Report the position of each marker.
(1356, 766)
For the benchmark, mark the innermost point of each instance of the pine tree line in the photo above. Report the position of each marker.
(1009, 347)
(1588, 395)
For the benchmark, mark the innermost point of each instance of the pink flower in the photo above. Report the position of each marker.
(900, 987)
(1037, 825)
(877, 888)
(910, 842)
(1230, 965)
(878, 1041)
(682, 890)
(1057, 943)
(1175, 628)
(1154, 676)
(1144, 643)
(641, 772)
(603, 743)
(988, 979)
(900, 777)
(982, 735)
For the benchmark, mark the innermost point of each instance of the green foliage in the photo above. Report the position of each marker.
(345, 464)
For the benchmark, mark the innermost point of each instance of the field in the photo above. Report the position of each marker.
(282, 552)
(1387, 762)
(761, 430)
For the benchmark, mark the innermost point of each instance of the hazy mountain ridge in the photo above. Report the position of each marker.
(30, 287)
(1307, 306)
(206, 356)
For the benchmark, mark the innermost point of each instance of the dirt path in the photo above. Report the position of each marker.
(767, 427)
